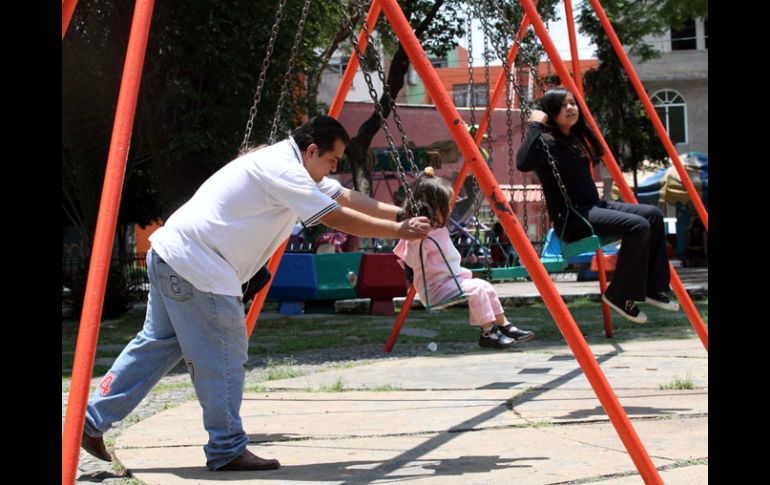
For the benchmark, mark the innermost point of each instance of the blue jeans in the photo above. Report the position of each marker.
(205, 329)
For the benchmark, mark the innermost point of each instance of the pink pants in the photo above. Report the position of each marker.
(483, 303)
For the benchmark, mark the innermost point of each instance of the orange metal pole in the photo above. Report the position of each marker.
(350, 71)
(525, 250)
(573, 45)
(103, 239)
(634, 78)
(334, 112)
(67, 7)
(259, 298)
(612, 165)
(400, 320)
(603, 286)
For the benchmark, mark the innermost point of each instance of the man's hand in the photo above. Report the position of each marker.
(538, 115)
(414, 228)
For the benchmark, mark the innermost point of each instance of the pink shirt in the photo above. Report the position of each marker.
(441, 285)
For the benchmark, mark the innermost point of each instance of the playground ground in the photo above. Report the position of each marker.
(458, 415)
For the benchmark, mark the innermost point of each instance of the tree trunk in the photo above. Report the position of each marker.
(358, 148)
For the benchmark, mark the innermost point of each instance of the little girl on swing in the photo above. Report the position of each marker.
(437, 270)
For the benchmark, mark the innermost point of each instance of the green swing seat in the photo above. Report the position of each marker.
(555, 255)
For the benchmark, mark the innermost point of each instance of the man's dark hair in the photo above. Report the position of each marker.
(323, 131)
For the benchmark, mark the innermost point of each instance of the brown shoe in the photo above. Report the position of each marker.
(95, 447)
(249, 461)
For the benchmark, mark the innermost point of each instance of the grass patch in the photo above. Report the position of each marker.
(348, 365)
(170, 387)
(133, 418)
(288, 334)
(543, 423)
(281, 370)
(384, 388)
(168, 405)
(693, 461)
(119, 331)
(679, 384)
(254, 388)
(337, 386)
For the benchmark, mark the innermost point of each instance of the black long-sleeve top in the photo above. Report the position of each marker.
(573, 165)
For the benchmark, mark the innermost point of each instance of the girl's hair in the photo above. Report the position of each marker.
(432, 196)
(581, 134)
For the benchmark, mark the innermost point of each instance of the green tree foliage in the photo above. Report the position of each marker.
(199, 77)
(201, 67)
(609, 93)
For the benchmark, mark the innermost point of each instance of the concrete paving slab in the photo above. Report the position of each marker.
(488, 417)
(628, 365)
(512, 455)
(353, 414)
(685, 475)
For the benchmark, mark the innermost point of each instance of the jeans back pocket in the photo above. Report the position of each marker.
(175, 287)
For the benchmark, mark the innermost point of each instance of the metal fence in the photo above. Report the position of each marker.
(133, 268)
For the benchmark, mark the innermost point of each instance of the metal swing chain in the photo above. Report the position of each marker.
(563, 190)
(508, 104)
(522, 125)
(262, 77)
(528, 55)
(471, 84)
(389, 97)
(477, 201)
(527, 110)
(487, 55)
(472, 106)
(289, 69)
(393, 151)
(487, 82)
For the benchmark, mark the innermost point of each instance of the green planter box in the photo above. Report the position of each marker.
(332, 273)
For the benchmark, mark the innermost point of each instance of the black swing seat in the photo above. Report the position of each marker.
(455, 300)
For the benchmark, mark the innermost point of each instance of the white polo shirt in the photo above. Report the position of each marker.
(237, 219)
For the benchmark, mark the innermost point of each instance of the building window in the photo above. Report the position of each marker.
(683, 38)
(461, 95)
(672, 110)
(439, 62)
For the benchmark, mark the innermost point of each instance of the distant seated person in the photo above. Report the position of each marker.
(696, 254)
(501, 248)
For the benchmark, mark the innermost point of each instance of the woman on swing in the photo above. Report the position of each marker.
(642, 272)
(432, 198)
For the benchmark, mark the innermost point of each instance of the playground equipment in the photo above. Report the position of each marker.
(85, 350)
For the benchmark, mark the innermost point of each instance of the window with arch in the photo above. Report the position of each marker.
(672, 109)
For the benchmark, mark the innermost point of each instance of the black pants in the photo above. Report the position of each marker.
(256, 283)
(642, 267)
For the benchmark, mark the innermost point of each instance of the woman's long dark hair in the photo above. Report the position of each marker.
(432, 195)
(581, 133)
